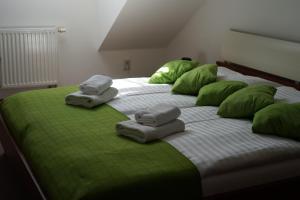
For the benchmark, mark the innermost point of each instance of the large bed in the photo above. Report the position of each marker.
(68, 152)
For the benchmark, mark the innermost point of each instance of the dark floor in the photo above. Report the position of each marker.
(10, 189)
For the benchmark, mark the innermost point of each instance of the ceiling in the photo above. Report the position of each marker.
(149, 23)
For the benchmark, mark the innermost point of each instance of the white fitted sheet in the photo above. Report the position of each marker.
(225, 151)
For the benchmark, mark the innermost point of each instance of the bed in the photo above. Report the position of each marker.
(66, 152)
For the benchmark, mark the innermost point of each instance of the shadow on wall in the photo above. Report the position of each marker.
(139, 62)
(132, 63)
(201, 57)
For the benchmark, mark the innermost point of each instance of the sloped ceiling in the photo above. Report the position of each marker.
(149, 23)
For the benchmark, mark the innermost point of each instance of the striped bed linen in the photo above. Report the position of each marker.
(130, 104)
(215, 145)
(225, 145)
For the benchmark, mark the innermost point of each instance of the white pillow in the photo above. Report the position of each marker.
(223, 71)
(250, 80)
(287, 94)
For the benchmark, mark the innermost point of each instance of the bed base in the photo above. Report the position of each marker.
(286, 189)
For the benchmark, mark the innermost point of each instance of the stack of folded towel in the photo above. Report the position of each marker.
(93, 92)
(153, 123)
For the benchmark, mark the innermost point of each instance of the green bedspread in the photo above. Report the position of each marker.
(75, 153)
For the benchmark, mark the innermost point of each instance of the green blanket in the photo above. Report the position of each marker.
(76, 154)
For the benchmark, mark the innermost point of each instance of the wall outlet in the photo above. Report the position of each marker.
(127, 65)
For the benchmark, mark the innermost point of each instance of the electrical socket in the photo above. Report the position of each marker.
(127, 65)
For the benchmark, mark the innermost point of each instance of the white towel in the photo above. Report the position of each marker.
(144, 134)
(96, 85)
(157, 115)
(90, 101)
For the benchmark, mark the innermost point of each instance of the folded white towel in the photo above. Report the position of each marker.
(89, 101)
(144, 134)
(96, 85)
(157, 115)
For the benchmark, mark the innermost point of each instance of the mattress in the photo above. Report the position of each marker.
(226, 151)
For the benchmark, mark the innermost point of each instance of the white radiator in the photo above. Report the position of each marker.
(28, 57)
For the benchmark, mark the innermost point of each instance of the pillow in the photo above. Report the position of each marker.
(247, 101)
(250, 80)
(287, 94)
(191, 82)
(223, 71)
(171, 71)
(215, 93)
(278, 119)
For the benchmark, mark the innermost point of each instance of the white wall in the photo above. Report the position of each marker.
(203, 35)
(87, 23)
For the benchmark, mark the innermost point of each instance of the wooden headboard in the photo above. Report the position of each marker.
(269, 58)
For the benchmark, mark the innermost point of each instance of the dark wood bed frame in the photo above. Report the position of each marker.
(284, 189)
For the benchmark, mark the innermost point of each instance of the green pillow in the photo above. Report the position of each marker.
(171, 71)
(247, 101)
(280, 119)
(215, 93)
(191, 82)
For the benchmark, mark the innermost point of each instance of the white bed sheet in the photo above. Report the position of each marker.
(225, 151)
